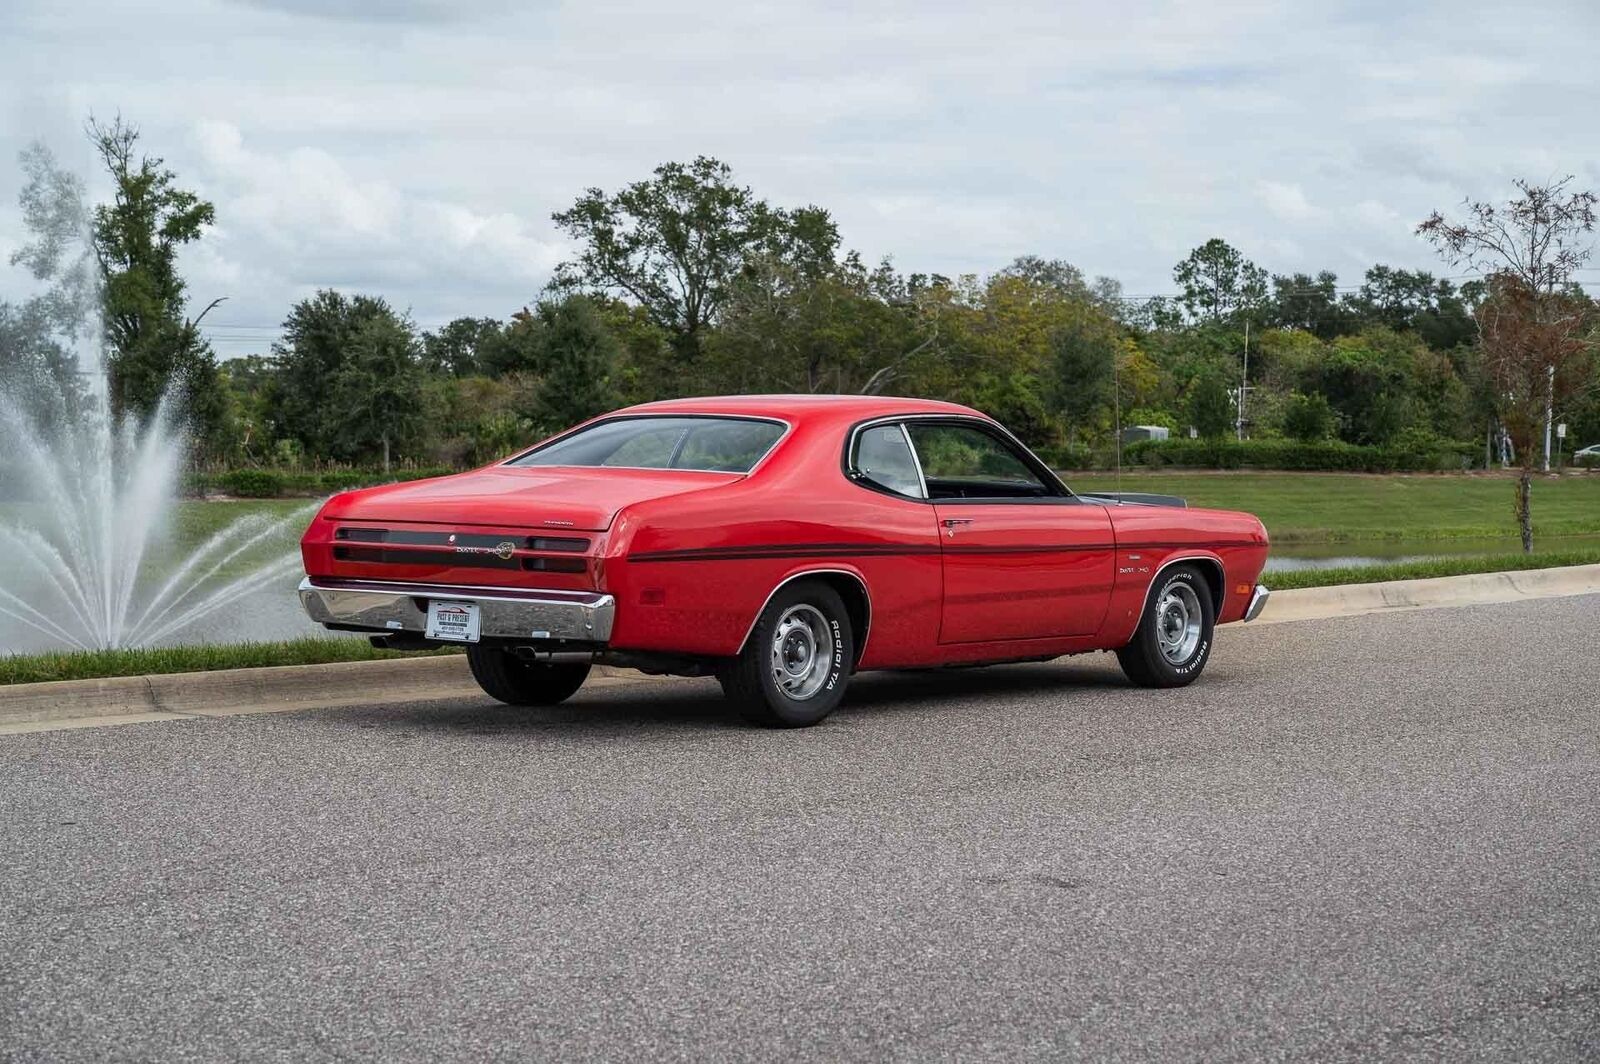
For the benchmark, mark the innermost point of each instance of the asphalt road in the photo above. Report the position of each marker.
(1373, 838)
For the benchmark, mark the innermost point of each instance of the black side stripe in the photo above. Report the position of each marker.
(1208, 545)
(852, 550)
(881, 550)
(801, 550)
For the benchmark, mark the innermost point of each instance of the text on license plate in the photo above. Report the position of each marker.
(456, 621)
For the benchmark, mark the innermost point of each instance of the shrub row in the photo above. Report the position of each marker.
(1067, 456)
(281, 483)
(1330, 455)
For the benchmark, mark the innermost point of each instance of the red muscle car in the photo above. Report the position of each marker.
(780, 543)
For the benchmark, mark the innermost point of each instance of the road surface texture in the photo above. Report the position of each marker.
(1371, 838)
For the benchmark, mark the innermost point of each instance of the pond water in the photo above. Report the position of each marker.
(1287, 557)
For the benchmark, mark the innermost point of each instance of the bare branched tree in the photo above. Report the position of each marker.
(1536, 328)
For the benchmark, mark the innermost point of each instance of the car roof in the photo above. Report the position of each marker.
(803, 407)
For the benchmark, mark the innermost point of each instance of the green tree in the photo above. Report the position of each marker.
(1301, 301)
(1370, 380)
(1210, 406)
(1413, 301)
(335, 347)
(463, 347)
(1067, 280)
(1308, 418)
(847, 329)
(646, 369)
(1219, 284)
(577, 356)
(153, 346)
(675, 244)
(1084, 355)
(376, 394)
(250, 384)
(38, 370)
(475, 420)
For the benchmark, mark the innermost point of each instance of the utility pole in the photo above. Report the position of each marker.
(1116, 407)
(1549, 411)
(1244, 378)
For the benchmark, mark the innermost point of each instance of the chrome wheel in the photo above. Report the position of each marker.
(802, 651)
(1178, 623)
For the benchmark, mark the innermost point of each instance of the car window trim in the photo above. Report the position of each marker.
(916, 459)
(991, 428)
(788, 430)
(847, 461)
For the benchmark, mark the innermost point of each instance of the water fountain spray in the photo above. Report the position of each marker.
(92, 497)
(87, 498)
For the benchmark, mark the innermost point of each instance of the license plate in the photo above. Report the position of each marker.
(457, 622)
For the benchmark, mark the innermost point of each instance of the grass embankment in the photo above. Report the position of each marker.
(195, 521)
(1417, 570)
(1338, 507)
(77, 665)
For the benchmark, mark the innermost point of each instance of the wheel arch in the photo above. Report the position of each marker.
(850, 586)
(1211, 569)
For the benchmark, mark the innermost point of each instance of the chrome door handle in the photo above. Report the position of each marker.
(951, 522)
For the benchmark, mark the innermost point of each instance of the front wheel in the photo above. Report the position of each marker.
(518, 682)
(794, 667)
(1173, 640)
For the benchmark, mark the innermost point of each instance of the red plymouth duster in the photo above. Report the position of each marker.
(780, 543)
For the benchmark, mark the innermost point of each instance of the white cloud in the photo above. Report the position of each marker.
(417, 148)
(300, 220)
(1286, 201)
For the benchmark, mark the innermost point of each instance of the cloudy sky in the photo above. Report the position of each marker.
(416, 148)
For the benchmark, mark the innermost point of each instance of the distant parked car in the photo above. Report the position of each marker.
(1588, 456)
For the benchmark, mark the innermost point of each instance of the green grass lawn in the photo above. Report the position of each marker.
(314, 650)
(1297, 507)
(1416, 570)
(1329, 507)
(196, 520)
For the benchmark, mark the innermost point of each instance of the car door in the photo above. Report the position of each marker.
(1023, 558)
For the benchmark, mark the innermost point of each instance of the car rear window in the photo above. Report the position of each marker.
(717, 444)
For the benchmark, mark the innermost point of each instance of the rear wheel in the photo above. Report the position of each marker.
(518, 682)
(1173, 640)
(794, 667)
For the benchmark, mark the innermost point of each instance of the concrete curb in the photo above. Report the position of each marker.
(1352, 600)
(229, 692)
(177, 696)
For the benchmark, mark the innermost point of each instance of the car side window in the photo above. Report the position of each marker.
(964, 462)
(883, 458)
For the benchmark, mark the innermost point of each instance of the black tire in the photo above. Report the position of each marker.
(516, 682)
(749, 680)
(1145, 659)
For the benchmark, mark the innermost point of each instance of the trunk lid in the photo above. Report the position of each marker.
(502, 526)
(531, 497)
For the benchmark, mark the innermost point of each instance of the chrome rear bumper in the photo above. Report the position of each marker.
(1258, 601)
(506, 613)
